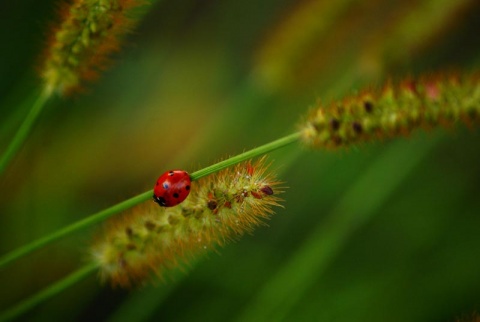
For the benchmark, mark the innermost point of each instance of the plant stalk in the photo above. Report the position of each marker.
(24, 130)
(106, 213)
(47, 293)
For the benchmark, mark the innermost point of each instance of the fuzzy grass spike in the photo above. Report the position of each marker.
(89, 31)
(393, 111)
(219, 208)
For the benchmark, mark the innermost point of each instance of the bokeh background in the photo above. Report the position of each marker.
(380, 232)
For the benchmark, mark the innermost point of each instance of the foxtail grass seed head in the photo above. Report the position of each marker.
(78, 49)
(393, 111)
(220, 207)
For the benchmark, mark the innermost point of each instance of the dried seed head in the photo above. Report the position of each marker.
(78, 49)
(220, 208)
(395, 110)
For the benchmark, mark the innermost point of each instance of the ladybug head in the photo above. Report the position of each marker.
(160, 200)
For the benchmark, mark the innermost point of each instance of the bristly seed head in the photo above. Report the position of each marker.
(395, 110)
(221, 207)
(78, 49)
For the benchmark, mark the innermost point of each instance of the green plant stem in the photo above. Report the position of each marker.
(48, 292)
(106, 213)
(24, 130)
(84, 223)
(246, 155)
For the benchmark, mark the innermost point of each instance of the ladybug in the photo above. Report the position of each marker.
(172, 188)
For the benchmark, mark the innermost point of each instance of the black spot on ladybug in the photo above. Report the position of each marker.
(165, 185)
(368, 106)
(170, 173)
(187, 188)
(267, 190)
(335, 124)
(357, 127)
(160, 200)
(212, 204)
(176, 195)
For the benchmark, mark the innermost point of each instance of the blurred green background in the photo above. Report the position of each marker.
(380, 232)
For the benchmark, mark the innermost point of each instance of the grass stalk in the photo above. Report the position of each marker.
(106, 213)
(81, 224)
(23, 130)
(47, 293)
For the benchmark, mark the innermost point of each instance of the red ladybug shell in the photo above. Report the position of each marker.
(172, 188)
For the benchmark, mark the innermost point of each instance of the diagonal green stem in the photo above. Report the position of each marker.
(266, 148)
(47, 293)
(89, 221)
(23, 130)
(106, 213)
